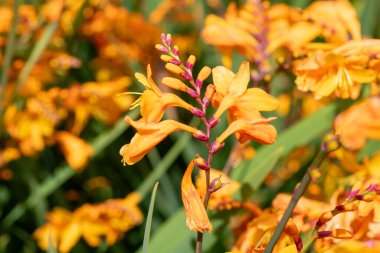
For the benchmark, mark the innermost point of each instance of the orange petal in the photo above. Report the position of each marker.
(196, 215)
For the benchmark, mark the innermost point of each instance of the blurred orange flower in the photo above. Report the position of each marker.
(109, 219)
(359, 123)
(75, 150)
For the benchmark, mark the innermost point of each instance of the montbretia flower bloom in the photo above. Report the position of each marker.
(196, 215)
(243, 105)
(148, 136)
(340, 71)
(359, 123)
(153, 102)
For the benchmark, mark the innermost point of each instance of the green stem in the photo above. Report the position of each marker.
(294, 200)
(9, 53)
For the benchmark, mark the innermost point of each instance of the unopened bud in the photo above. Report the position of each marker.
(216, 146)
(175, 50)
(216, 184)
(173, 68)
(197, 112)
(198, 83)
(204, 73)
(165, 57)
(175, 83)
(161, 48)
(169, 39)
(190, 62)
(193, 93)
(187, 76)
(210, 90)
(201, 163)
(213, 122)
(200, 136)
(175, 61)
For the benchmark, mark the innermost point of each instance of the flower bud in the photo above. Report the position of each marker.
(175, 61)
(216, 184)
(161, 48)
(190, 62)
(204, 73)
(175, 50)
(187, 76)
(213, 122)
(175, 84)
(197, 112)
(216, 146)
(201, 163)
(165, 57)
(173, 68)
(200, 136)
(193, 93)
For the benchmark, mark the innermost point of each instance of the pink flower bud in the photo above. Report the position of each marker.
(187, 76)
(161, 48)
(175, 61)
(216, 146)
(197, 112)
(213, 122)
(169, 40)
(193, 93)
(175, 50)
(189, 66)
(198, 83)
(201, 163)
(206, 101)
(216, 184)
(201, 136)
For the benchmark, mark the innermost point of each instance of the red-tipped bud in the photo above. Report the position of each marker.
(190, 62)
(175, 50)
(187, 76)
(161, 48)
(198, 83)
(201, 163)
(175, 61)
(201, 136)
(169, 40)
(216, 146)
(213, 122)
(163, 37)
(197, 112)
(193, 93)
(216, 184)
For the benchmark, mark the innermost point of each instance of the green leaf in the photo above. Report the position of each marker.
(149, 220)
(36, 53)
(251, 173)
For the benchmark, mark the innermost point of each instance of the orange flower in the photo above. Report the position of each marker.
(196, 215)
(148, 136)
(243, 105)
(359, 123)
(75, 150)
(342, 69)
(109, 219)
(153, 101)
